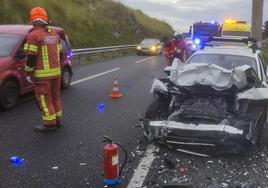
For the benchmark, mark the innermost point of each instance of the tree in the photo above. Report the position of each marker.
(265, 29)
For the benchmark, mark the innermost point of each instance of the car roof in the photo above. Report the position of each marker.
(230, 50)
(150, 39)
(22, 29)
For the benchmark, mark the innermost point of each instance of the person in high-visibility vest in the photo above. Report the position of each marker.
(179, 47)
(44, 51)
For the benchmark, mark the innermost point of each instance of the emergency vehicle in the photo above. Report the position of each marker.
(13, 82)
(202, 31)
(236, 28)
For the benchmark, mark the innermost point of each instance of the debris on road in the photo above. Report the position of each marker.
(182, 169)
(55, 168)
(101, 107)
(128, 84)
(82, 164)
(169, 164)
(16, 161)
(132, 153)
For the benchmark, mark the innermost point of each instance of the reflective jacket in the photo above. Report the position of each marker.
(45, 44)
(179, 45)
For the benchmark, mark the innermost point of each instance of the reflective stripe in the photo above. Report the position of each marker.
(58, 114)
(33, 48)
(47, 73)
(49, 118)
(28, 69)
(44, 105)
(30, 47)
(26, 47)
(58, 50)
(60, 46)
(45, 59)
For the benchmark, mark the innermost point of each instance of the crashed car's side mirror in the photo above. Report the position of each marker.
(167, 70)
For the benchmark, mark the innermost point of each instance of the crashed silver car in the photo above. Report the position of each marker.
(221, 103)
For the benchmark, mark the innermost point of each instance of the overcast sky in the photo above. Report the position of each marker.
(180, 14)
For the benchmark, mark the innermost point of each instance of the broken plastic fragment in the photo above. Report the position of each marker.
(83, 164)
(55, 168)
(16, 161)
(183, 169)
(132, 153)
(101, 107)
(128, 84)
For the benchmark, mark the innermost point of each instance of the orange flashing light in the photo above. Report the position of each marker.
(230, 21)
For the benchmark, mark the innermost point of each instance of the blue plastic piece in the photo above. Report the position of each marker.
(16, 161)
(101, 107)
(112, 182)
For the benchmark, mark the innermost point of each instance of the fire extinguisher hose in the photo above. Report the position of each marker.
(126, 158)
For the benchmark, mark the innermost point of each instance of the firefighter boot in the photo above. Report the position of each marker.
(41, 128)
(58, 125)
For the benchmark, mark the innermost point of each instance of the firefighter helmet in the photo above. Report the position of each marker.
(177, 35)
(38, 14)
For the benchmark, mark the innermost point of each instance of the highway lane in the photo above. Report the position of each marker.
(72, 156)
(75, 151)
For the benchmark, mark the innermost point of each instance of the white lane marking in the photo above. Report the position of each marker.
(93, 76)
(143, 60)
(143, 168)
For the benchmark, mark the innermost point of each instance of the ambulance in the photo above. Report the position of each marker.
(236, 28)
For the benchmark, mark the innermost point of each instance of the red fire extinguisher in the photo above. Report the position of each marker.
(112, 174)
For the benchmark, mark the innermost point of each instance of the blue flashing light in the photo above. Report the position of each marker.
(197, 41)
(101, 107)
(16, 161)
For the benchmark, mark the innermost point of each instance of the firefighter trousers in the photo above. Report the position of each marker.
(48, 98)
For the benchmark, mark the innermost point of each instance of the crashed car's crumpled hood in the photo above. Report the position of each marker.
(211, 75)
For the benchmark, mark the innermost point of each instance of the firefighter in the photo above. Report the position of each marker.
(179, 47)
(168, 51)
(43, 51)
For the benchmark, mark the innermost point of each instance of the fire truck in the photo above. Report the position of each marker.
(202, 31)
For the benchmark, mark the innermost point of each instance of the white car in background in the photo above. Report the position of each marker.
(149, 47)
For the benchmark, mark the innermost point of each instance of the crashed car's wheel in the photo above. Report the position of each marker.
(157, 110)
(66, 78)
(9, 94)
(260, 125)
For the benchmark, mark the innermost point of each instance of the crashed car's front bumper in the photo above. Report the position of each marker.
(204, 134)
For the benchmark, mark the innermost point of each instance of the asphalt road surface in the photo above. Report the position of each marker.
(73, 155)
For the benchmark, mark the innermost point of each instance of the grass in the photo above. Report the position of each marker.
(265, 53)
(89, 23)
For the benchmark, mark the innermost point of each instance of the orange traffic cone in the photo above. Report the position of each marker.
(115, 92)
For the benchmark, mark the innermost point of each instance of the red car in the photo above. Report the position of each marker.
(13, 81)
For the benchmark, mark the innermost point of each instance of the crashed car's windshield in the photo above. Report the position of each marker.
(224, 60)
(8, 43)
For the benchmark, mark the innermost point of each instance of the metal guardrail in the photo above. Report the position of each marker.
(85, 51)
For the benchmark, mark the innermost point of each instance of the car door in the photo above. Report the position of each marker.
(263, 68)
(19, 64)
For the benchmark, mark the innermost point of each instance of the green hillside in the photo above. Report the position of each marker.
(89, 23)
